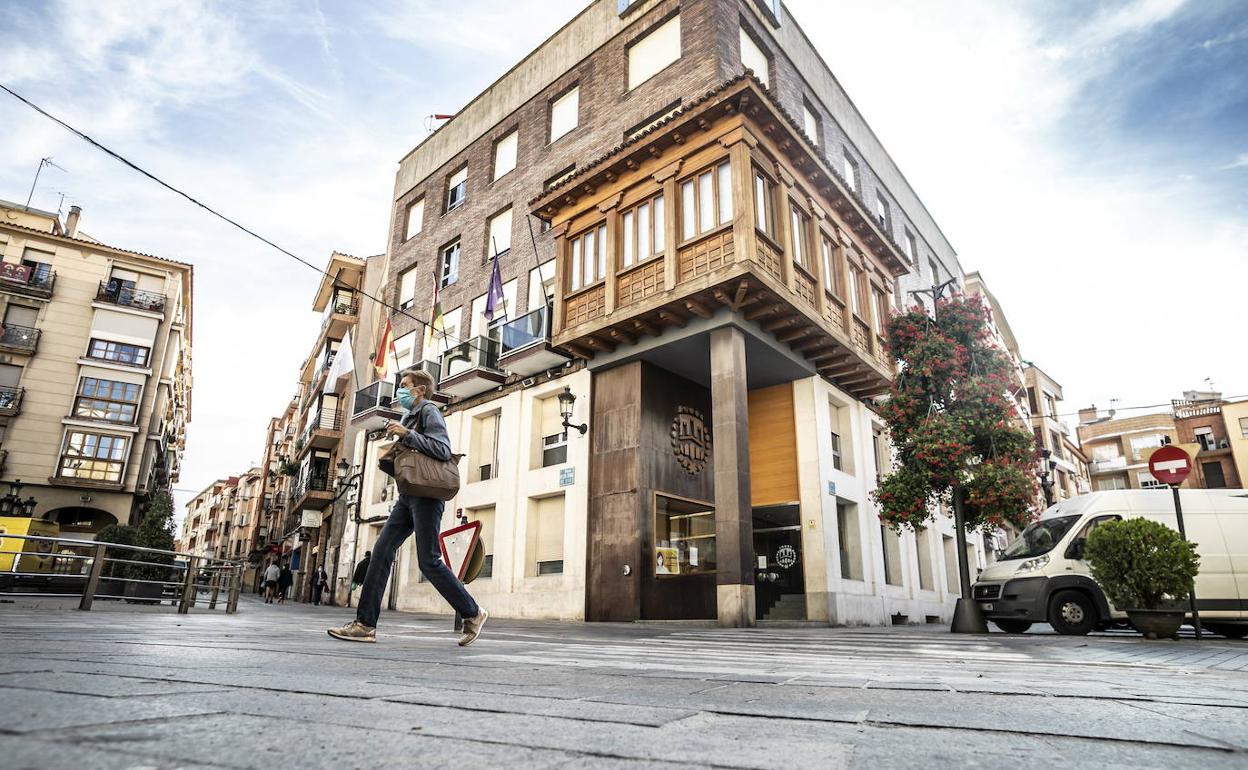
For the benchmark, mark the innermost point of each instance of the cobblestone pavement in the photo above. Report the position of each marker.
(267, 688)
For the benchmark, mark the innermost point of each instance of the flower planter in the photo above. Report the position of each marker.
(1157, 624)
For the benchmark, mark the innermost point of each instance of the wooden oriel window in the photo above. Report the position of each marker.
(644, 231)
(882, 311)
(799, 224)
(833, 281)
(587, 256)
(764, 218)
(706, 201)
(856, 299)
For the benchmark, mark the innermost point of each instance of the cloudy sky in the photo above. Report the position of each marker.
(1089, 158)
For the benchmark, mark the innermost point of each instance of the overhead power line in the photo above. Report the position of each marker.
(125, 161)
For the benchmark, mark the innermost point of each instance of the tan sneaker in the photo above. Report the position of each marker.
(355, 631)
(472, 628)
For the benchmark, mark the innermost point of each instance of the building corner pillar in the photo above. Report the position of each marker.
(734, 526)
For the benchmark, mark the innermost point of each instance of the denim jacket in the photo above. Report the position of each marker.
(433, 439)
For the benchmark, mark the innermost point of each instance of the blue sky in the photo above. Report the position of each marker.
(1089, 158)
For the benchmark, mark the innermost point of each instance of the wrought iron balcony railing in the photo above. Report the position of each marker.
(19, 337)
(10, 401)
(36, 279)
(115, 294)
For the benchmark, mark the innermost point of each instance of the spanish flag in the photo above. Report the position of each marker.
(385, 348)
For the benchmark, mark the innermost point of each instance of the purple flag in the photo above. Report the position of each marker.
(494, 297)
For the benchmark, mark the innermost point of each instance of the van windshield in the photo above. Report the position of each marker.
(1039, 537)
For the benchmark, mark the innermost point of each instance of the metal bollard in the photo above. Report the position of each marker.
(188, 588)
(93, 579)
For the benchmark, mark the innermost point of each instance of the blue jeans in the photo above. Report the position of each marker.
(421, 516)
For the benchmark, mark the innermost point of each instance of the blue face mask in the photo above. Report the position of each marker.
(405, 398)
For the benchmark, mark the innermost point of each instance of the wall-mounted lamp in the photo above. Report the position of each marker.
(566, 401)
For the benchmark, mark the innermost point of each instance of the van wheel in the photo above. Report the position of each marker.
(1013, 626)
(1072, 613)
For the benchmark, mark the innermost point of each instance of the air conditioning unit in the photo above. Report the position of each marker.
(1224, 444)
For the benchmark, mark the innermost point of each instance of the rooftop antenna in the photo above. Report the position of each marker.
(42, 162)
(1112, 410)
(436, 117)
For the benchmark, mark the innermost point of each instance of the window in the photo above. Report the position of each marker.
(706, 201)
(1215, 478)
(544, 540)
(753, 58)
(118, 352)
(1105, 452)
(799, 225)
(1146, 480)
(1110, 483)
(405, 350)
(448, 265)
(541, 285)
(652, 121)
(1243, 426)
(772, 9)
(848, 542)
(486, 517)
(832, 278)
(1140, 444)
(483, 455)
(882, 311)
(107, 400)
(891, 542)
(880, 452)
(505, 154)
(855, 289)
(456, 189)
(407, 288)
(923, 545)
(500, 234)
(554, 446)
(909, 245)
(881, 210)
(589, 257)
(810, 123)
(564, 113)
(20, 315)
(762, 203)
(850, 170)
(836, 450)
(1050, 405)
(643, 230)
(93, 457)
(684, 537)
(1204, 437)
(415, 219)
(652, 53)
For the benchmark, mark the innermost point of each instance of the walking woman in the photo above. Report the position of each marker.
(423, 430)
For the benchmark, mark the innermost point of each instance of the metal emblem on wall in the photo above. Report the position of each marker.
(691, 439)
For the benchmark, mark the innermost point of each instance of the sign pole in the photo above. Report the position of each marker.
(1178, 513)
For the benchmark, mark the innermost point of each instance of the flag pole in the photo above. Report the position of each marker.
(500, 278)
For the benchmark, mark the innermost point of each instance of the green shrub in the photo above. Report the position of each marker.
(1141, 563)
(155, 531)
(121, 534)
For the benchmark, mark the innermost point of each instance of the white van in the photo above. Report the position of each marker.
(1042, 577)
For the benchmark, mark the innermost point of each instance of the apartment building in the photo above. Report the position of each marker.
(1235, 416)
(1199, 420)
(699, 240)
(95, 370)
(207, 527)
(1061, 457)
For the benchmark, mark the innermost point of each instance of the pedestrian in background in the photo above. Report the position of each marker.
(272, 574)
(285, 580)
(320, 581)
(423, 430)
(361, 571)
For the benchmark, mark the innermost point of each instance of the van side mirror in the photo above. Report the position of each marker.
(1075, 551)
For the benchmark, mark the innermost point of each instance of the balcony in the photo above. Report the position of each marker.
(525, 347)
(372, 408)
(1112, 465)
(10, 401)
(36, 280)
(340, 315)
(112, 293)
(18, 339)
(311, 491)
(471, 368)
(324, 430)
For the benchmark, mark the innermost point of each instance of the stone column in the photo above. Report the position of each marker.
(734, 526)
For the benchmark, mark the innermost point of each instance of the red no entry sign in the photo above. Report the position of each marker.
(1170, 465)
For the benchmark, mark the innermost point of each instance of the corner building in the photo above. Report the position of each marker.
(716, 240)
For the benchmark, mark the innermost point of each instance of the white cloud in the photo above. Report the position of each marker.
(1240, 161)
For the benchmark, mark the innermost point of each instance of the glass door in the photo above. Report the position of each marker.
(779, 571)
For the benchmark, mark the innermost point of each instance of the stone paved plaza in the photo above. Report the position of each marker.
(267, 688)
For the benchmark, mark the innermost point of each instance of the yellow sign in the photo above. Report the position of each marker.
(21, 555)
(666, 561)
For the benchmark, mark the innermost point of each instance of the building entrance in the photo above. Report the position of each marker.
(779, 574)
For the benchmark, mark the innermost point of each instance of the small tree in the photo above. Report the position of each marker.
(155, 531)
(952, 422)
(119, 534)
(1141, 563)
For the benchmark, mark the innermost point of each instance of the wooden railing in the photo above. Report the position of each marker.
(585, 306)
(769, 256)
(640, 282)
(705, 255)
(804, 283)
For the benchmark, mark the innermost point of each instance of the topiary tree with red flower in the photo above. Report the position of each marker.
(952, 422)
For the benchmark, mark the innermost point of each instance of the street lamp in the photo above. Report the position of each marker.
(566, 401)
(1047, 468)
(342, 469)
(11, 504)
